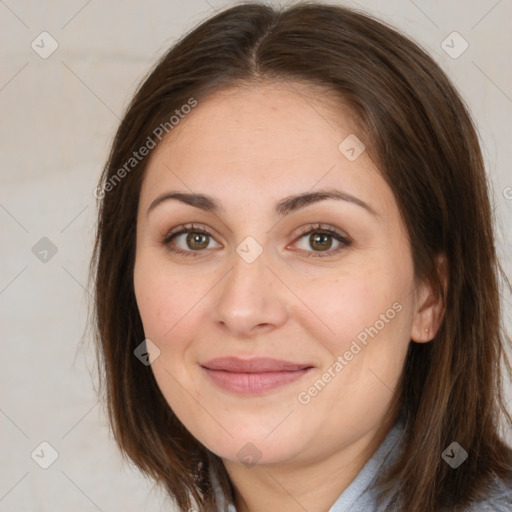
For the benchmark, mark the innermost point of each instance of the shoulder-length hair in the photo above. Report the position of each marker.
(420, 133)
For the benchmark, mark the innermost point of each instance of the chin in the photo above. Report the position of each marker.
(249, 448)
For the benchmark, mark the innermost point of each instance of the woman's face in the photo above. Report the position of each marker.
(321, 288)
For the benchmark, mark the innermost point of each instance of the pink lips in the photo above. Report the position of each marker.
(251, 376)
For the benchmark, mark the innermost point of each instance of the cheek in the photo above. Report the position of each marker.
(341, 308)
(363, 321)
(164, 300)
(154, 297)
(169, 306)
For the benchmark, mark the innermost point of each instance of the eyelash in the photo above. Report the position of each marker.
(307, 230)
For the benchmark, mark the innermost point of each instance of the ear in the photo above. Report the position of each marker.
(430, 306)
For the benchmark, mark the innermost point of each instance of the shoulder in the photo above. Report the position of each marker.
(499, 499)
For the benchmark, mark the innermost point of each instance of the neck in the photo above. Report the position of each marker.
(312, 485)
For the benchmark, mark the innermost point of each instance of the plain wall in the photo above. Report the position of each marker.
(58, 117)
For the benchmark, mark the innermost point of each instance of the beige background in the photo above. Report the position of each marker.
(58, 116)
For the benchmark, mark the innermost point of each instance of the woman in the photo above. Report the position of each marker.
(297, 302)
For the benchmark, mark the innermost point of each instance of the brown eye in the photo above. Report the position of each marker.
(197, 241)
(317, 241)
(188, 240)
(320, 241)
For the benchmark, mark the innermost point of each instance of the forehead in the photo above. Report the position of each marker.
(265, 141)
(265, 121)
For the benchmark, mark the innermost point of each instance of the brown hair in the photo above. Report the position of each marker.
(419, 131)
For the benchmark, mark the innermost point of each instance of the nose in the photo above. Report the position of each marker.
(251, 299)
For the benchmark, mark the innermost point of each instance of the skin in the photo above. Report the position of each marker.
(249, 148)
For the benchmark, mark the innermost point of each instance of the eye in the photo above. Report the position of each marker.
(193, 239)
(320, 239)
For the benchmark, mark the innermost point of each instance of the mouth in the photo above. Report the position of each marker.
(253, 376)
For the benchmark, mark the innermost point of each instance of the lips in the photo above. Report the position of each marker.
(256, 365)
(253, 376)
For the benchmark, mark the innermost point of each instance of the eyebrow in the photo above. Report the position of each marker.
(283, 207)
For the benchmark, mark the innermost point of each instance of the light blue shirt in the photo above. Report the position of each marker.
(360, 495)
